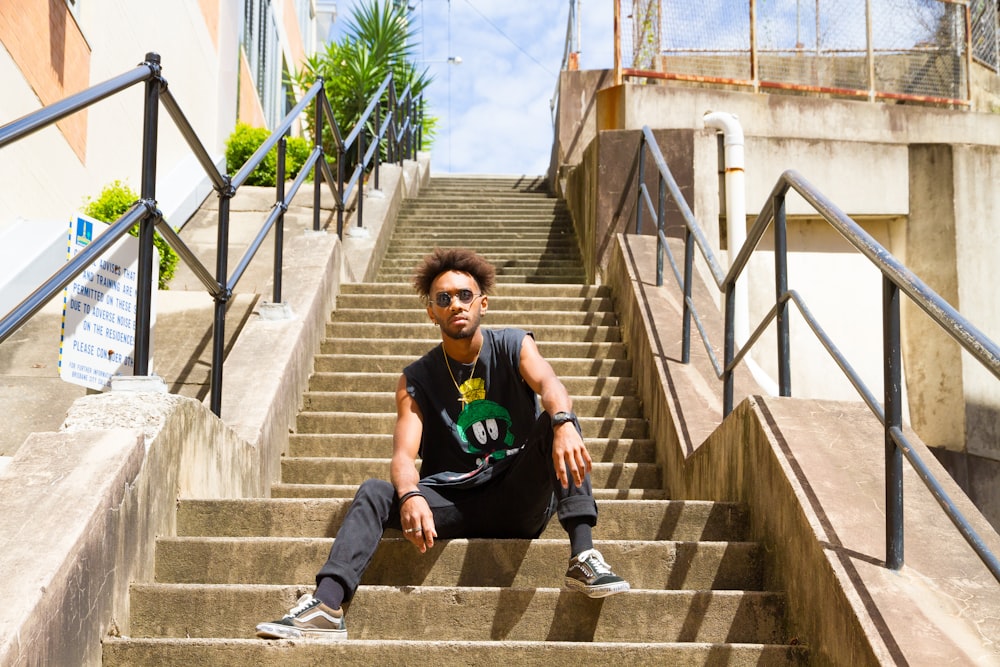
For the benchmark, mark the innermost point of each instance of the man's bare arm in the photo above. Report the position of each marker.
(415, 514)
(568, 451)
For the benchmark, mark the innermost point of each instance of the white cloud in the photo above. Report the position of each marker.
(494, 107)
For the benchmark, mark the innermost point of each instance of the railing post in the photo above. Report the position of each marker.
(780, 287)
(392, 141)
(893, 419)
(688, 283)
(361, 177)
(279, 225)
(219, 318)
(317, 169)
(378, 150)
(147, 225)
(419, 117)
(640, 180)
(341, 156)
(729, 348)
(661, 223)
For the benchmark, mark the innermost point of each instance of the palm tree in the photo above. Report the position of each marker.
(377, 41)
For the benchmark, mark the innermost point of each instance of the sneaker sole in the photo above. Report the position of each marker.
(279, 631)
(597, 591)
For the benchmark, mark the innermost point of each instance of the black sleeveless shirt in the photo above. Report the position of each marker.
(464, 440)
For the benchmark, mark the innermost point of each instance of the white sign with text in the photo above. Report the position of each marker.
(99, 310)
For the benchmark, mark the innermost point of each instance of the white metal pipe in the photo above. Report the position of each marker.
(736, 208)
(736, 230)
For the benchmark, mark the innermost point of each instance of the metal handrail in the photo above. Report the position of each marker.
(896, 278)
(145, 213)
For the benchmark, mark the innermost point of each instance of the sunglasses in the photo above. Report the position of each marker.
(465, 297)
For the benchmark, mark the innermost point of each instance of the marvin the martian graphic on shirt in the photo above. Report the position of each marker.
(483, 426)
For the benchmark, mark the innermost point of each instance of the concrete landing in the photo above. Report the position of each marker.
(36, 399)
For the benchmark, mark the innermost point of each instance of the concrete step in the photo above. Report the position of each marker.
(487, 231)
(501, 258)
(377, 381)
(656, 565)
(345, 470)
(435, 613)
(391, 330)
(283, 490)
(680, 520)
(458, 207)
(619, 406)
(361, 422)
(562, 291)
(532, 303)
(526, 319)
(414, 347)
(502, 279)
(418, 247)
(565, 368)
(604, 450)
(242, 652)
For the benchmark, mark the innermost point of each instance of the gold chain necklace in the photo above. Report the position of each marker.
(461, 396)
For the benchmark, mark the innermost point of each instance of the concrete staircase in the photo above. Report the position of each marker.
(697, 593)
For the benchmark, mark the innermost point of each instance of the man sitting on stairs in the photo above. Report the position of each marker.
(493, 464)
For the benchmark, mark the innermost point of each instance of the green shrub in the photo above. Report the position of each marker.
(114, 200)
(245, 140)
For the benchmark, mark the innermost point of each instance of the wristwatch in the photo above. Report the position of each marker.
(563, 417)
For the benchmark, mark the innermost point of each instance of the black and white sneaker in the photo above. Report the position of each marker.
(309, 618)
(590, 575)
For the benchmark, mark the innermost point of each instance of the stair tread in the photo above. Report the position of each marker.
(533, 613)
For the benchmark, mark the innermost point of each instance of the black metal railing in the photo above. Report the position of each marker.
(896, 278)
(399, 132)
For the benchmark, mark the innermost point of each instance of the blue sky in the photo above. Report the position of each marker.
(494, 106)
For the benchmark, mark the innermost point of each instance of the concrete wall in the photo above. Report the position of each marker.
(80, 510)
(817, 253)
(200, 67)
(199, 45)
(955, 210)
(867, 159)
(811, 474)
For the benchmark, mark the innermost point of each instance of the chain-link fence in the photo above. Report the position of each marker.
(905, 49)
(986, 32)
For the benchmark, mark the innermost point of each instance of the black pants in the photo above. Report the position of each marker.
(516, 504)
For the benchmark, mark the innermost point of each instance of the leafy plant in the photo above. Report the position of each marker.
(378, 40)
(244, 142)
(114, 200)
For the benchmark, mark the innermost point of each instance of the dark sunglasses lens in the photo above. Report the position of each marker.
(443, 299)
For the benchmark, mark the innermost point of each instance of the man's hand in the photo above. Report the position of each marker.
(569, 455)
(417, 521)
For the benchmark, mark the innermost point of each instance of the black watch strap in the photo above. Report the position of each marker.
(562, 417)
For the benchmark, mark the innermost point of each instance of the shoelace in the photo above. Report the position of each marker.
(304, 603)
(596, 562)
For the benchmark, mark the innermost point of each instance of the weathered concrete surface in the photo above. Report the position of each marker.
(811, 473)
(576, 120)
(176, 448)
(916, 179)
(680, 106)
(61, 497)
(955, 402)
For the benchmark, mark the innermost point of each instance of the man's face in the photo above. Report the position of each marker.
(457, 320)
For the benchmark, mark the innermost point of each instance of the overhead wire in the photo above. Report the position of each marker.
(508, 38)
